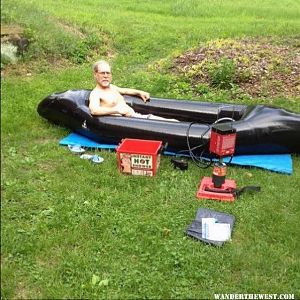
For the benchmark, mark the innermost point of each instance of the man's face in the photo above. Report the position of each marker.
(103, 75)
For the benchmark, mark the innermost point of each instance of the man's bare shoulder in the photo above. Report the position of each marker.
(96, 92)
(114, 87)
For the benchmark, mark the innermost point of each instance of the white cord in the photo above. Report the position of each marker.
(224, 119)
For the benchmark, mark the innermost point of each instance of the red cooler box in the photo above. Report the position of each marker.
(139, 157)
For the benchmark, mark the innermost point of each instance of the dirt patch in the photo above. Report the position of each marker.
(24, 291)
(14, 35)
(68, 28)
(35, 67)
(11, 29)
(259, 67)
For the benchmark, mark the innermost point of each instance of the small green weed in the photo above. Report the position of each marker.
(202, 88)
(222, 73)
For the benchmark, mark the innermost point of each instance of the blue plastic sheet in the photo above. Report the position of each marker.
(281, 163)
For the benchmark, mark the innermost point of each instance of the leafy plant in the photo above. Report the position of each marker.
(222, 74)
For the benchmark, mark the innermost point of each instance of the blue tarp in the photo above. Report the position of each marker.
(281, 163)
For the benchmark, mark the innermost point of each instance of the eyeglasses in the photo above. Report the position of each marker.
(104, 73)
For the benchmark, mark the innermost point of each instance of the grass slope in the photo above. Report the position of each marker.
(71, 229)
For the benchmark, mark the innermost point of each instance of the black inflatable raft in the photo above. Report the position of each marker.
(260, 129)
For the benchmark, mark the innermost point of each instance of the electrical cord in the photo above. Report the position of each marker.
(223, 119)
(198, 160)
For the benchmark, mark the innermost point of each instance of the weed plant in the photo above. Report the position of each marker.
(223, 74)
(71, 229)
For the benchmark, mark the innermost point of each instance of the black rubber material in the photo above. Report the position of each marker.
(260, 129)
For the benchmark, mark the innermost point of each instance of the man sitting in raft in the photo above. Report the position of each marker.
(107, 99)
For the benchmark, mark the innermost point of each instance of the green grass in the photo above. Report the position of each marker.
(71, 229)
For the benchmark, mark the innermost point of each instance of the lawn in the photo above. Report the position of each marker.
(71, 229)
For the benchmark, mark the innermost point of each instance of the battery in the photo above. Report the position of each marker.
(222, 139)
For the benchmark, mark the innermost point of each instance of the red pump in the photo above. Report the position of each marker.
(222, 143)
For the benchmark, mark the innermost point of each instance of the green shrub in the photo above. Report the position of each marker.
(223, 73)
(202, 88)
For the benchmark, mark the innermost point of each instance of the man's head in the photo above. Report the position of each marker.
(102, 73)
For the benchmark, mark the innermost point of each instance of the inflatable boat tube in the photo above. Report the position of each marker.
(260, 129)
